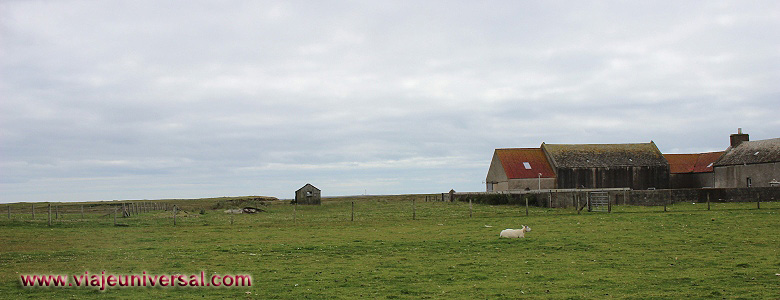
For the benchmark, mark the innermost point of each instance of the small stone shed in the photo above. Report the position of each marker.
(308, 194)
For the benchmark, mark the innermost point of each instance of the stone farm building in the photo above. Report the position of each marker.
(639, 166)
(564, 166)
(308, 194)
(520, 169)
(749, 164)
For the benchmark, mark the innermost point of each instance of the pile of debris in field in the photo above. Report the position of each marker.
(245, 210)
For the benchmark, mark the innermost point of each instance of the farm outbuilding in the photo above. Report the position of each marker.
(308, 194)
(749, 164)
(519, 169)
(694, 170)
(637, 166)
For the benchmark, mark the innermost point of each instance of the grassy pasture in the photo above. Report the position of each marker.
(730, 251)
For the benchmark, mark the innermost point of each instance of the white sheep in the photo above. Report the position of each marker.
(514, 233)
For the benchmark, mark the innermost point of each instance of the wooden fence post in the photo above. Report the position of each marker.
(708, 201)
(33, 211)
(353, 212)
(471, 208)
(549, 201)
(82, 211)
(9, 211)
(174, 215)
(414, 211)
(56, 212)
(758, 202)
(577, 196)
(49, 214)
(587, 201)
(295, 212)
(116, 208)
(526, 204)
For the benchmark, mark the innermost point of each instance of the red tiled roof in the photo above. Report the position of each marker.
(692, 163)
(514, 161)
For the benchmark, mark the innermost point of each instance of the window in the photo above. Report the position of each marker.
(308, 193)
(749, 182)
(527, 165)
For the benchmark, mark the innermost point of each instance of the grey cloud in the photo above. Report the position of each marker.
(184, 99)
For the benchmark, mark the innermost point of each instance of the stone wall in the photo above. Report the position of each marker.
(569, 198)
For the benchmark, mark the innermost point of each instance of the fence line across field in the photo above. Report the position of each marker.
(63, 211)
(465, 205)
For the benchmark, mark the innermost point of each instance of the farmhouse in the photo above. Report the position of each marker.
(308, 194)
(748, 163)
(693, 170)
(519, 169)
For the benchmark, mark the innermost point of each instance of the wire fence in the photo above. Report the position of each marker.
(334, 211)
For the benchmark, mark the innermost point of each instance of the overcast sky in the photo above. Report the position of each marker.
(105, 100)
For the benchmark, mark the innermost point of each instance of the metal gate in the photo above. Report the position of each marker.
(599, 201)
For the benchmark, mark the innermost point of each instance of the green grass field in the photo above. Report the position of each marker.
(316, 252)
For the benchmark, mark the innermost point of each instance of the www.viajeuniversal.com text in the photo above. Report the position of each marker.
(103, 280)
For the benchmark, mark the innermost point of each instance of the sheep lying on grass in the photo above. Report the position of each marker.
(514, 233)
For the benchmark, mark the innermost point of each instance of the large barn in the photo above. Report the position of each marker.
(637, 166)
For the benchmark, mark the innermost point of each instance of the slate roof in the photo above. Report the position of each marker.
(604, 155)
(752, 152)
(514, 161)
(693, 162)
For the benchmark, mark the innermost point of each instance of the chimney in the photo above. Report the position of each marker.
(739, 137)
